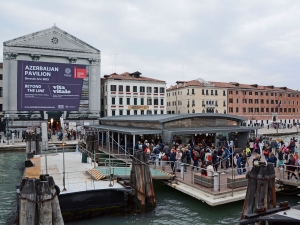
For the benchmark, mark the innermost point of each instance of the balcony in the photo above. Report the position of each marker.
(203, 105)
(188, 105)
(193, 104)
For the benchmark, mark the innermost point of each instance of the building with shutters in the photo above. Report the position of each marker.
(132, 94)
(196, 96)
(260, 105)
(263, 104)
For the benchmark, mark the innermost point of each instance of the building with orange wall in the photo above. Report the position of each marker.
(262, 104)
(259, 104)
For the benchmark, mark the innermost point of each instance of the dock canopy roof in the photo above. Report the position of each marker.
(162, 118)
(176, 123)
(166, 126)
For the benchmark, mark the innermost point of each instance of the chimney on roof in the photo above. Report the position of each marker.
(234, 83)
(284, 88)
(180, 82)
(135, 74)
(271, 86)
(254, 85)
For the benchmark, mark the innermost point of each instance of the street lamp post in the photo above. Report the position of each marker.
(46, 158)
(51, 121)
(7, 128)
(64, 171)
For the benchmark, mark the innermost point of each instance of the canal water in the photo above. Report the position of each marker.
(173, 207)
(176, 208)
(11, 170)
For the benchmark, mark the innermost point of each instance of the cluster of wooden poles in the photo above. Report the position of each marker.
(39, 202)
(260, 195)
(141, 181)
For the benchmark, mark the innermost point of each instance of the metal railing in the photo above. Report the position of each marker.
(198, 176)
(288, 173)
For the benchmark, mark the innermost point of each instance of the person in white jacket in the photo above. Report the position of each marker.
(260, 145)
(210, 170)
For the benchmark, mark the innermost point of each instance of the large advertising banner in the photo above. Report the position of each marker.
(44, 86)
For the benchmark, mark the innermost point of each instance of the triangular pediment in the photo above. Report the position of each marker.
(52, 38)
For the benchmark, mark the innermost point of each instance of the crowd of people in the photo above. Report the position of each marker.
(208, 158)
(204, 158)
(278, 153)
(66, 135)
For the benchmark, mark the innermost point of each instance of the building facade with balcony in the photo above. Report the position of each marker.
(263, 104)
(196, 96)
(132, 94)
(258, 104)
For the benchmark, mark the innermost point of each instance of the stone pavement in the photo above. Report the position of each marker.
(19, 144)
(271, 131)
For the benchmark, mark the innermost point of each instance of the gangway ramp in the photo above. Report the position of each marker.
(288, 182)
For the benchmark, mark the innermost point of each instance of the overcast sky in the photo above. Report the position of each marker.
(253, 42)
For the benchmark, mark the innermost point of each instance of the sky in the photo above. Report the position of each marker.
(251, 42)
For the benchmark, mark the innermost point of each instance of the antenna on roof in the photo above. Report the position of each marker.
(205, 83)
(115, 62)
(54, 25)
(183, 71)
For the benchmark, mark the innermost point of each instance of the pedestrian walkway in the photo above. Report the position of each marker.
(271, 131)
(17, 143)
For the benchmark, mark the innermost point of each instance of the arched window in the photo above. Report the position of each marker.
(193, 111)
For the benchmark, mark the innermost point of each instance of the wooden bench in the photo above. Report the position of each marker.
(237, 181)
(204, 180)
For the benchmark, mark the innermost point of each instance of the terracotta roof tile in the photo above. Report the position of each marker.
(181, 84)
(129, 76)
(232, 85)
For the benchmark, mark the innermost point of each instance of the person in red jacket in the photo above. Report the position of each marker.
(291, 167)
(196, 157)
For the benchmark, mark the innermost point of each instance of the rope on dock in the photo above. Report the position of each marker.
(46, 200)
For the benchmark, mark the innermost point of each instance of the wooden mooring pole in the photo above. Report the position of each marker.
(39, 202)
(141, 181)
(260, 195)
(33, 145)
